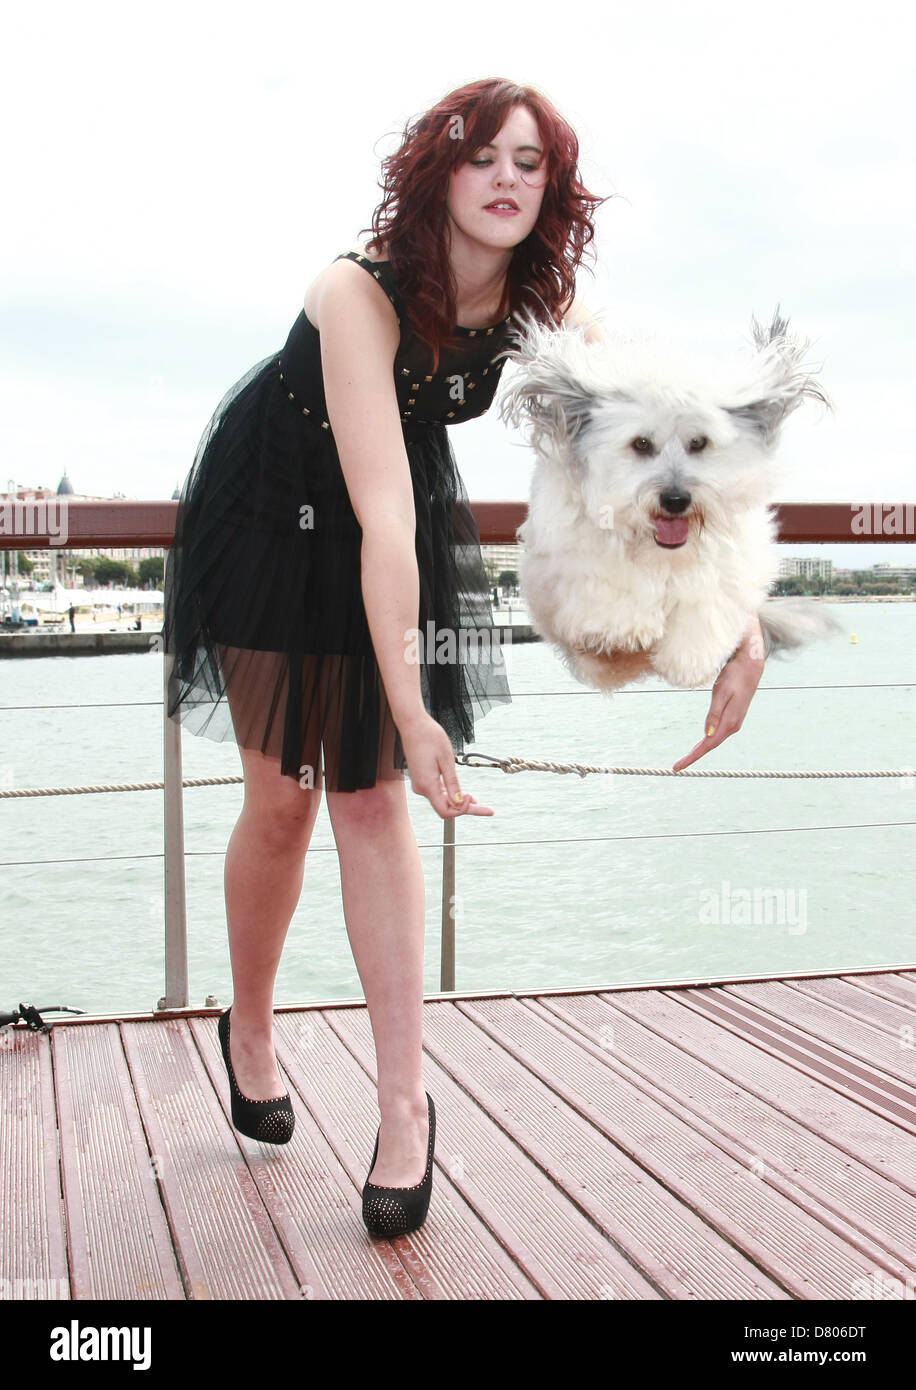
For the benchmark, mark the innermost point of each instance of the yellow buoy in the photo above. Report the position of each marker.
(853, 637)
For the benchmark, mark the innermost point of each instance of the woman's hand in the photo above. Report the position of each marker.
(431, 764)
(731, 694)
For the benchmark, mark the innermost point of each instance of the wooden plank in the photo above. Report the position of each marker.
(309, 1195)
(822, 1008)
(118, 1238)
(566, 1134)
(452, 1255)
(847, 1056)
(864, 1135)
(33, 1256)
(894, 1017)
(638, 1144)
(558, 1249)
(225, 1241)
(773, 1232)
(896, 985)
(867, 1209)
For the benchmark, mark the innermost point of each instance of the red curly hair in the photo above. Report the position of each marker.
(412, 215)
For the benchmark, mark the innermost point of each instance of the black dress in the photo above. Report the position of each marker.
(264, 614)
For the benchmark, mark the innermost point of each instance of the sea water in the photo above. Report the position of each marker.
(575, 881)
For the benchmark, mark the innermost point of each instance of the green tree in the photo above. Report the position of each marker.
(25, 564)
(115, 572)
(151, 570)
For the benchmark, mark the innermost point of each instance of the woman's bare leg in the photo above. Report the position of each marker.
(382, 887)
(265, 862)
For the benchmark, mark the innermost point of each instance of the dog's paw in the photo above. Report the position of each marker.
(694, 650)
(685, 670)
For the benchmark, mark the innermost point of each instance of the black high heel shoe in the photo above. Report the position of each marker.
(394, 1211)
(269, 1121)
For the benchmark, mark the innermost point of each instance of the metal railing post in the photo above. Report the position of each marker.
(447, 961)
(176, 926)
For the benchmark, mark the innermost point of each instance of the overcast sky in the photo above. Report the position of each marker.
(175, 175)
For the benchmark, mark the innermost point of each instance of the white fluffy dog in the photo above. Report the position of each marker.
(649, 541)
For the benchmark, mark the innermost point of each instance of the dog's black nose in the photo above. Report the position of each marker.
(674, 500)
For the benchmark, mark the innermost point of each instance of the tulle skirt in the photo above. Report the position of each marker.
(264, 615)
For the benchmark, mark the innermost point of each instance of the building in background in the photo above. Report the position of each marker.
(905, 572)
(499, 558)
(808, 568)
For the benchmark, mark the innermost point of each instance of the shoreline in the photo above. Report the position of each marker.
(89, 641)
(27, 645)
(853, 598)
(79, 643)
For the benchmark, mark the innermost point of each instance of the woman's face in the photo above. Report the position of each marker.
(512, 169)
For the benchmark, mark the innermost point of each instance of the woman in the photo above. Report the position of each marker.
(322, 524)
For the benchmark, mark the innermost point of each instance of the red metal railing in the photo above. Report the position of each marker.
(119, 524)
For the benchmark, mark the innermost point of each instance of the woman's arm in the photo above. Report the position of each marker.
(732, 693)
(359, 339)
(577, 316)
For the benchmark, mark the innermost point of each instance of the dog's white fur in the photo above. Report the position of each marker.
(615, 602)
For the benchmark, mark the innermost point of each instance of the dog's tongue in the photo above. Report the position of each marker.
(671, 530)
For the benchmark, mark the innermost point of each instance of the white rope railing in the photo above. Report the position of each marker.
(115, 787)
(511, 764)
(507, 764)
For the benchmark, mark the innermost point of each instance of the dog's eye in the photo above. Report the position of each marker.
(697, 444)
(642, 445)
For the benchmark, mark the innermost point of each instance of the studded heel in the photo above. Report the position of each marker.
(270, 1121)
(393, 1211)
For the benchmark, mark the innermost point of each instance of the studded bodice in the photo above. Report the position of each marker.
(462, 388)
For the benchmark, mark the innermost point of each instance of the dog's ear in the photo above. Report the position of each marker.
(550, 393)
(781, 380)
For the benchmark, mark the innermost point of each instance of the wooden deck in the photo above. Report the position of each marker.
(739, 1141)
